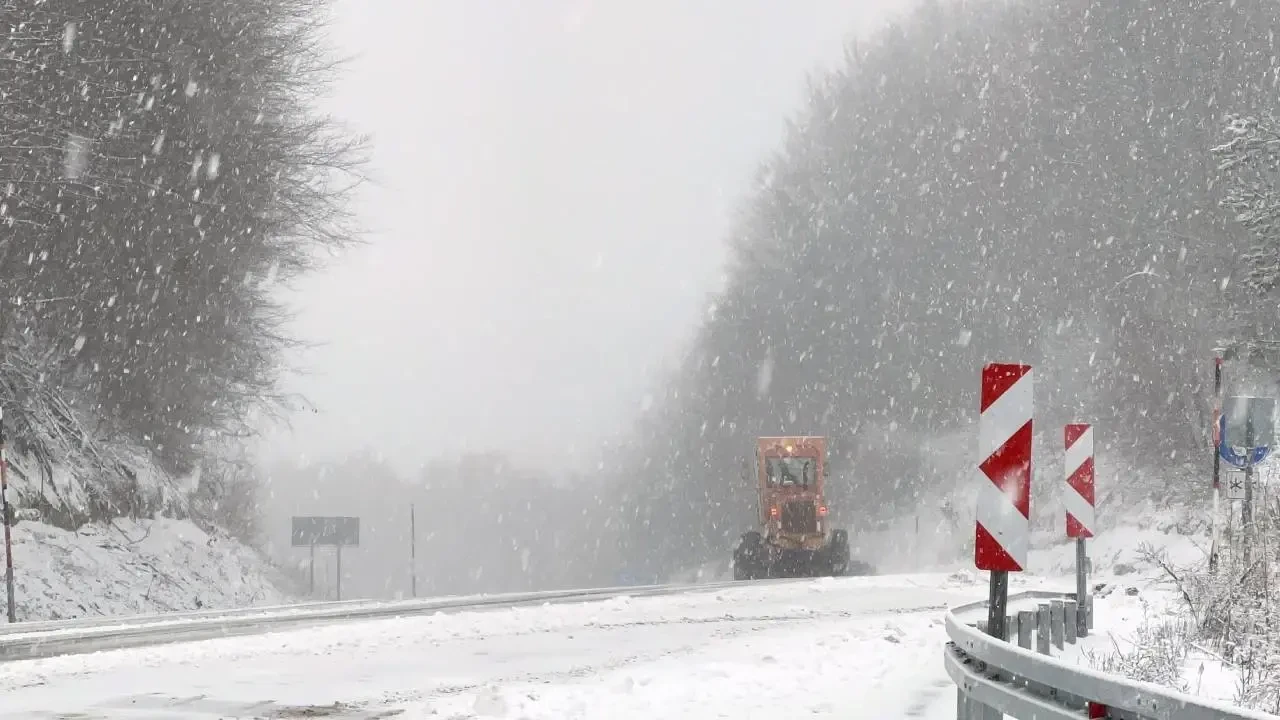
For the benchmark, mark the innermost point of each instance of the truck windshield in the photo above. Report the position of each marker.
(790, 471)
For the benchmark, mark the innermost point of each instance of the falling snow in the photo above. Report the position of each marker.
(1086, 187)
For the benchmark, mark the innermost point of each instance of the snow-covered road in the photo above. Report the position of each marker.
(851, 648)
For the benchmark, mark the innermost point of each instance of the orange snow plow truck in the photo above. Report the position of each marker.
(794, 539)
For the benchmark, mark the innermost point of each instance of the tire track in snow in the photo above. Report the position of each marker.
(927, 698)
(740, 625)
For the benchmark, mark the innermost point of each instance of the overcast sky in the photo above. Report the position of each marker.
(556, 179)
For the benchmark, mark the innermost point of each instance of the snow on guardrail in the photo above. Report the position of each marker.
(997, 677)
(49, 639)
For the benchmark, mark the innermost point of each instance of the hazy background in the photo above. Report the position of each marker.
(555, 183)
(527, 353)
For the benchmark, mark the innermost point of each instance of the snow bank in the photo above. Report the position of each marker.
(112, 479)
(937, 531)
(1144, 628)
(1116, 553)
(72, 481)
(718, 570)
(128, 567)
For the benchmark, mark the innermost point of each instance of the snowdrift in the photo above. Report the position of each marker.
(102, 528)
(125, 567)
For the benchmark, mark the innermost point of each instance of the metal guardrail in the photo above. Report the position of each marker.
(33, 626)
(996, 677)
(184, 615)
(31, 641)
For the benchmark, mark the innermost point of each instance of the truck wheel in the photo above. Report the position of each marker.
(748, 558)
(837, 555)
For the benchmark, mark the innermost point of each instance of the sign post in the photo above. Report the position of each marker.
(310, 531)
(1246, 507)
(413, 554)
(1079, 497)
(6, 516)
(1252, 419)
(1217, 460)
(1003, 527)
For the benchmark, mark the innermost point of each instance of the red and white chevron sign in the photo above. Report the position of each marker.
(1078, 493)
(1004, 478)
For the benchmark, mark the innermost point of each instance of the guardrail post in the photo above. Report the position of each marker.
(1088, 613)
(1012, 624)
(1082, 588)
(1069, 620)
(1042, 629)
(969, 709)
(1026, 623)
(974, 709)
(1056, 622)
(1026, 626)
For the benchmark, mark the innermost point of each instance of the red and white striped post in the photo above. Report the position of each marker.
(1217, 462)
(1079, 499)
(1003, 531)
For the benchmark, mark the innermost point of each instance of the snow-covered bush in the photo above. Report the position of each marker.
(64, 462)
(1234, 612)
(1158, 652)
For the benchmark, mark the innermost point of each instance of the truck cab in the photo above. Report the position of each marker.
(793, 536)
(791, 472)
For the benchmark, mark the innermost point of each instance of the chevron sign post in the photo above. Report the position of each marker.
(1003, 531)
(1078, 497)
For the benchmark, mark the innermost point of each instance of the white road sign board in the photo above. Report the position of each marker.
(1235, 486)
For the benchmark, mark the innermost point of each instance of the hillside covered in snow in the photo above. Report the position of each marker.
(126, 567)
(102, 529)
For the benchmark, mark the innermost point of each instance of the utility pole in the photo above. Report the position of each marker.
(1246, 508)
(916, 543)
(6, 516)
(339, 570)
(1217, 461)
(413, 554)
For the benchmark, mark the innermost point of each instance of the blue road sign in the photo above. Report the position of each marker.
(1252, 457)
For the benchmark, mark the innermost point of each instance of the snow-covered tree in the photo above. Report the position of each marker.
(162, 171)
(1250, 165)
(975, 184)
